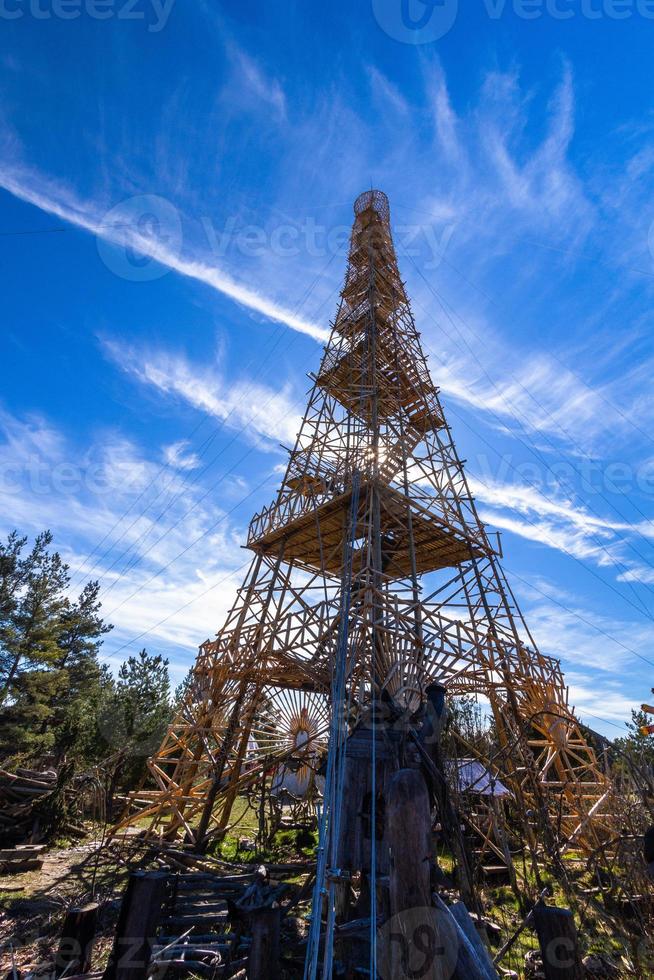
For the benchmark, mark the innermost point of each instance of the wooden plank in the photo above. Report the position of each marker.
(139, 917)
(462, 918)
(468, 964)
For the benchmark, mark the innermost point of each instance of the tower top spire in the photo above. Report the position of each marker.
(374, 200)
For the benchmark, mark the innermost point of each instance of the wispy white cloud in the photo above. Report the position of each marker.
(486, 170)
(447, 126)
(264, 415)
(176, 455)
(539, 396)
(548, 518)
(56, 199)
(493, 184)
(529, 500)
(638, 573)
(598, 651)
(386, 92)
(567, 634)
(546, 182)
(149, 518)
(600, 702)
(250, 77)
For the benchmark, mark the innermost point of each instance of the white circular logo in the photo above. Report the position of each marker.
(416, 21)
(419, 944)
(138, 237)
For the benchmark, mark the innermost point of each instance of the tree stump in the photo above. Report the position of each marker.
(557, 935)
(263, 962)
(76, 944)
(414, 944)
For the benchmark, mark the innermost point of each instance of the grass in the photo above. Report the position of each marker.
(599, 932)
(286, 845)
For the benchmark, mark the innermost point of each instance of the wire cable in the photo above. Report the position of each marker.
(265, 362)
(543, 462)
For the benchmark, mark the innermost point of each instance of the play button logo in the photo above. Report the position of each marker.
(415, 21)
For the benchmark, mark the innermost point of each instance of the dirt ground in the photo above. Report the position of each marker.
(33, 904)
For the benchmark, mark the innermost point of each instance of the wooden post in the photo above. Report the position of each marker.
(409, 838)
(138, 919)
(414, 935)
(559, 945)
(263, 962)
(497, 817)
(76, 944)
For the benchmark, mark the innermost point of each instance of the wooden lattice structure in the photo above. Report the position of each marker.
(373, 541)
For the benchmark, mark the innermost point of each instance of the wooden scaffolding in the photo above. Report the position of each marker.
(371, 564)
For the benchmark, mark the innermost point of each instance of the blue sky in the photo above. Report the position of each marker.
(176, 187)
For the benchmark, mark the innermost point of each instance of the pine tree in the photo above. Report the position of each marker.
(49, 670)
(76, 702)
(136, 713)
(33, 600)
(635, 752)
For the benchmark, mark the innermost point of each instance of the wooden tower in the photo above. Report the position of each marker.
(372, 578)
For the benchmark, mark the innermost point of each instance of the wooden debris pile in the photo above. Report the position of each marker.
(35, 804)
(24, 857)
(202, 924)
(20, 792)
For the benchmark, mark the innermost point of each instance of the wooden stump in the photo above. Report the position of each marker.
(354, 849)
(557, 935)
(76, 944)
(409, 838)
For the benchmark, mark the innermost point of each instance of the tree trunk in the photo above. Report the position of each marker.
(10, 676)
